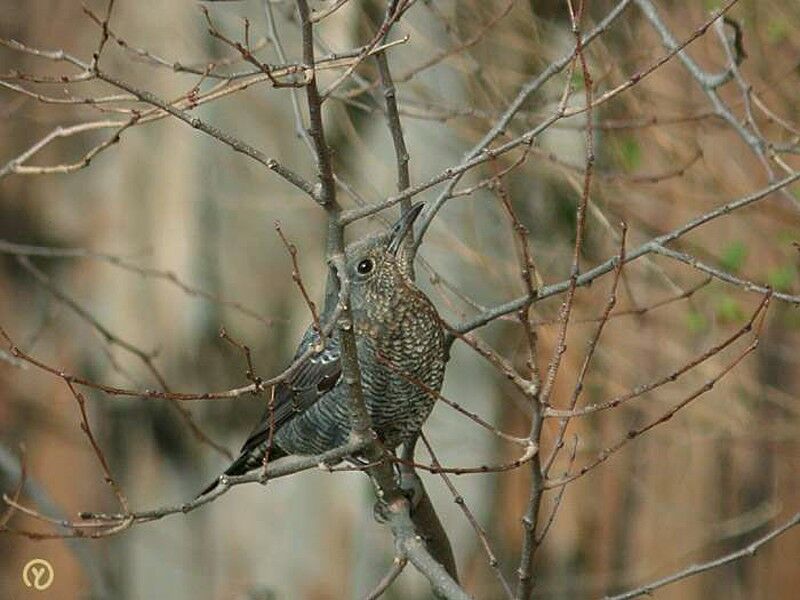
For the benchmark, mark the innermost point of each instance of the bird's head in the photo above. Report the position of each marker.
(376, 266)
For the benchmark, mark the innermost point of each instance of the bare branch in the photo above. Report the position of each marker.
(398, 564)
(747, 551)
(647, 248)
(23, 474)
(703, 389)
(86, 428)
(216, 133)
(587, 360)
(14, 249)
(146, 358)
(410, 545)
(296, 277)
(479, 531)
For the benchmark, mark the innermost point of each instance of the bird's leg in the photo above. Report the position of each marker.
(380, 510)
(407, 478)
(408, 482)
(411, 486)
(358, 461)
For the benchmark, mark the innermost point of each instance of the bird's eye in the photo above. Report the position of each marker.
(365, 266)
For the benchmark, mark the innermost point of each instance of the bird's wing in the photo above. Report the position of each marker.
(316, 376)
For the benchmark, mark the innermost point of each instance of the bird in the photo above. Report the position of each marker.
(400, 343)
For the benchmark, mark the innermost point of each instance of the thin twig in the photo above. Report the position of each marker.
(171, 277)
(747, 551)
(398, 564)
(647, 248)
(590, 351)
(297, 278)
(87, 430)
(23, 474)
(491, 556)
(700, 391)
(146, 358)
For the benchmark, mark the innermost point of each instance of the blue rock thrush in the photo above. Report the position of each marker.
(400, 343)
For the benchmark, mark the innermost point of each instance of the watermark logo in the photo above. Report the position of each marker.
(38, 574)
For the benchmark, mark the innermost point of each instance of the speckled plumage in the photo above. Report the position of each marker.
(399, 339)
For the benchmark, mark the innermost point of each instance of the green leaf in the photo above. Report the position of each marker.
(777, 31)
(781, 278)
(733, 256)
(729, 310)
(791, 319)
(696, 322)
(630, 153)
(577, 79)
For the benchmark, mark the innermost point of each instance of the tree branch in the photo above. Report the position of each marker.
(747, 551)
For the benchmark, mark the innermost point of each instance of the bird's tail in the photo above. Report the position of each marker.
(247, 461)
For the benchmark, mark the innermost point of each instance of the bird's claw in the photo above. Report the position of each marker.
(411, 487)
(358, 460)
(380, 511)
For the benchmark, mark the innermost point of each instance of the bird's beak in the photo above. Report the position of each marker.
(403, 227)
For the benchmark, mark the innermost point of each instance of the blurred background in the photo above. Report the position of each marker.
(172, 201)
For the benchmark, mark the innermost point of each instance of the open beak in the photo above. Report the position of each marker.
(403, 227)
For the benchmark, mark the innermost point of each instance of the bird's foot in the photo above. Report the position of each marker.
(411, 490)
(380, 511)
(411, 486)
(358, 461)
